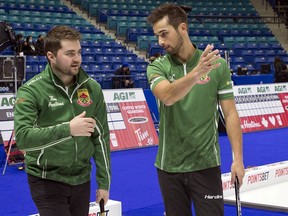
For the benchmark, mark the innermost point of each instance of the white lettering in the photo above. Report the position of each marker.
(141, 135)
(9, 114)
(55, 104)
(213, 197)
(251, 124)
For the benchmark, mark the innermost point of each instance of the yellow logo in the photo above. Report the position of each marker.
(203, 79)
(83, 97)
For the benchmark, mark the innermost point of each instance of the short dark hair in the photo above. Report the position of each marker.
(53, 38)
(176, 15)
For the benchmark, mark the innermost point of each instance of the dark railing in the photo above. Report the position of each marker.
(240, 19)
(106, 81)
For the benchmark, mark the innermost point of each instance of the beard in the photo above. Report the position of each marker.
(67, 70)
(175, 50)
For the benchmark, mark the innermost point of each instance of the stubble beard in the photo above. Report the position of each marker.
(178, 46)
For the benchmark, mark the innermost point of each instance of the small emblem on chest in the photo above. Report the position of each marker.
(204, 79)
(83, 97)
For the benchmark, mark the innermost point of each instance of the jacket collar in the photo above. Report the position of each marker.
(192, 62)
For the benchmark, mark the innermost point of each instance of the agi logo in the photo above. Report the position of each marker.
(124, 96)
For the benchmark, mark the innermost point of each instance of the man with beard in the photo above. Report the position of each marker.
(189, 84)
(61, 123)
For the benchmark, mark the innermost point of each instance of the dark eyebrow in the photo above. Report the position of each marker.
(69, 51)
(160, 32)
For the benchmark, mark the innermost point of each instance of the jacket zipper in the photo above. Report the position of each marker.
(71, 102)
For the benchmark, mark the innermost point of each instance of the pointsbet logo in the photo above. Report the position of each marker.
(119, 96)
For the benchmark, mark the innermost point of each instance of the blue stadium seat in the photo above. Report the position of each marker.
(85, 67)
(270, 53)
(258, 61)
(32, 68)
(116, 59)
(103, 59)
(252, 45)
(129, 59)
(239, 47)
(264, 46)
(276, 46)
(235, 67)
(120, 51)
(285, 59)
(88, 58)
(220, 46)
(97, 51)
(108, 44)
(86, 51)
(96, 43)
(238, 60)
(117, 65)
(142, 67)
(41, 66)
(85, 44)
(108, 51)
(107, 67)
(32, 59)
(95, 68)
(247, 55)
(154, 48)
(281, 52)
(258, 52)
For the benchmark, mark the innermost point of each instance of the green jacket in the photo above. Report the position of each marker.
(43, 109)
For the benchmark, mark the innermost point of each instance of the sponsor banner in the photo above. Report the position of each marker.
(112, 208)
(129, 119)
(262, 107)
(7, 117)
(256, 177)
(6, 102)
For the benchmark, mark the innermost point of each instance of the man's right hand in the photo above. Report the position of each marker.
(81, 125)
(207, 62)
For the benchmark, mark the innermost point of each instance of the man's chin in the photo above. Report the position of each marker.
(74, 70)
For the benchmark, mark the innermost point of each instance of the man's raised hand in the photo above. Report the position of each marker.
(207, 61)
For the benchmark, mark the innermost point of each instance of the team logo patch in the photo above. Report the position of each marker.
(204, 79)
(83, 97)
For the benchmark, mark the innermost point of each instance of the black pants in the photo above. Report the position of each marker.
(54, 198)
(203, 188)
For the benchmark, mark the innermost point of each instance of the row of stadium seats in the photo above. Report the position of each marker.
(101, 55)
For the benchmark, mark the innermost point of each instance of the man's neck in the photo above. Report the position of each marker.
(186, 52)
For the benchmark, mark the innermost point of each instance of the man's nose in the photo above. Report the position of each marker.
(161, 41)
(78, 57)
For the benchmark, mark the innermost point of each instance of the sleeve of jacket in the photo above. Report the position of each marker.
(29, 136)
(101, 140)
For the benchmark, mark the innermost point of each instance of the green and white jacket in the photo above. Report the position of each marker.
(43, 109)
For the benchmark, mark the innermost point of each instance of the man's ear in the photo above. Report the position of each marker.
(183, 27)
(50, 56)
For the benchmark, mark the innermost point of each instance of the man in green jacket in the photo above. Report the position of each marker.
(60, 123)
